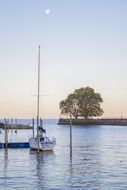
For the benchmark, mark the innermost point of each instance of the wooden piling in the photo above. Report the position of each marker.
(33, 126)
(70, 131)
(6, 134)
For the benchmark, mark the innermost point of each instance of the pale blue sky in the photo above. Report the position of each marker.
(83, 43)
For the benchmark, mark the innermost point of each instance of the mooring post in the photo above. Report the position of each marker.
(8, 125)
(11, 124)
(6, 134)
(33, 126)
(15, 125)
(70, 137)
(70, 131)
(8, 121)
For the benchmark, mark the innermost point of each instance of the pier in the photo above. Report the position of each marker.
(11, 126)
(16, 126)
(15, 145)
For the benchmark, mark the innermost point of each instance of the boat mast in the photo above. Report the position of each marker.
(38, 96)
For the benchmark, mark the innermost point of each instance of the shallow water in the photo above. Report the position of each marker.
(98, 160)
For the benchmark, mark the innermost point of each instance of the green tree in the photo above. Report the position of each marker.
(73, 105)
(89, 102)
(84, 102)
(64, 107)
(69, 106)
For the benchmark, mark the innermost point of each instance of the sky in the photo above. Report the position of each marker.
(83, 43)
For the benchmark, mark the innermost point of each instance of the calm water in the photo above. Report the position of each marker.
(98, 160)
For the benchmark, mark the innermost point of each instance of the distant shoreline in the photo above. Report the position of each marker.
(122, 122)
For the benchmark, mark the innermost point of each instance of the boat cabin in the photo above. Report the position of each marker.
(44, 140)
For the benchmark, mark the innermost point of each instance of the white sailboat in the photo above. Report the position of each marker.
(40, 142)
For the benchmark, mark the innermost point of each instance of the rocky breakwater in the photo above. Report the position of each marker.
(122, 122)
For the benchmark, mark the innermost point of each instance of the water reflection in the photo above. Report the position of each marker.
(84, 167)
(70, 169)
(5, 162)
(70, 154)
(42, 169)
(75, 167)
(4, 171)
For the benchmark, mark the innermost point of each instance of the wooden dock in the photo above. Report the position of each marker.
(15, 145)
(17, 126)
(6, 126)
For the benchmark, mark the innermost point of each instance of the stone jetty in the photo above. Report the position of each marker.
(122, 122)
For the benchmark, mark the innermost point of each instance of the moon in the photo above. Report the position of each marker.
(47, 11)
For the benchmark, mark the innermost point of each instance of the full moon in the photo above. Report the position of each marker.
(47, 11)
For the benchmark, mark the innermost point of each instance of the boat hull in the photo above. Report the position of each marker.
(45, 146)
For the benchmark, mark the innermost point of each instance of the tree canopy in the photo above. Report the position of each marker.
(83, 102)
